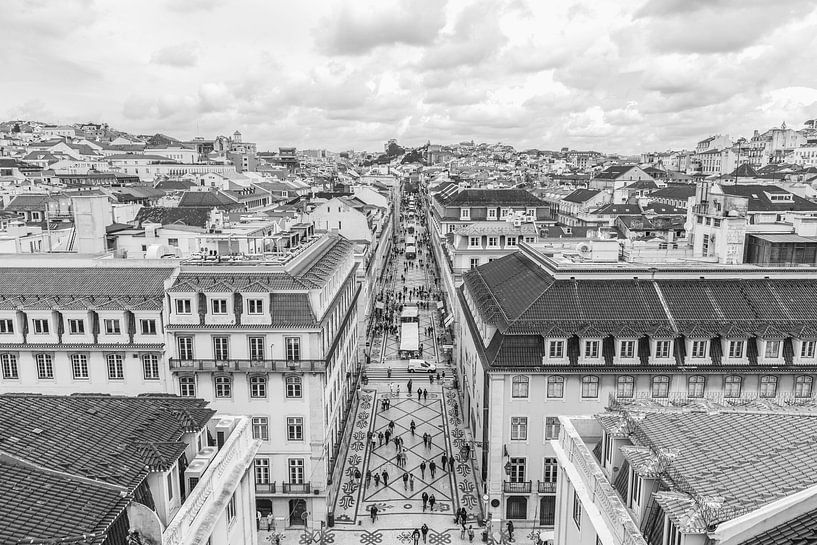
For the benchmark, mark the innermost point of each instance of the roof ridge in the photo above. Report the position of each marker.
(16, 460)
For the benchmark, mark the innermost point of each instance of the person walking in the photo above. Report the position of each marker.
(405, 480)
(462, 531)
(387, 436)
(419, 394)
(411, 482)
(431, 501)
(425, 394)
(373, 510)
(431, 378)
(377, 479)
(470, 534)
(385, 476)
(451, 464)
(408, 387)
(357, 475)
(432, 466)
(423, 469)
(379, 438)
(391, 426)
(510, 529)
(444, 459)
(425, 500)
(368, 477)
(412, 426)
(424, 531)
(415, 535)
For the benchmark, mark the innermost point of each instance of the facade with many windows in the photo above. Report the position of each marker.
(540, 339)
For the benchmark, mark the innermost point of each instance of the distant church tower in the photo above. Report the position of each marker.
(237, 137)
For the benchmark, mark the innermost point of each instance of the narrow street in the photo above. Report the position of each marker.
(399, 500)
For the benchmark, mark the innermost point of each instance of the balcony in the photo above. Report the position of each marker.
(296, 488)
(518, 488)
(248, 366)
(265, 488)
(546, 487)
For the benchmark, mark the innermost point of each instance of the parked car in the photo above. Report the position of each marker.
(421, 366)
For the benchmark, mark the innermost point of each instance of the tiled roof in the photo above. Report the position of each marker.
(493, 197)
(642, 184)
(193, 216)
(581, 195)
(800, 530)
(747, 458)
(614, 172)
(618, 210)
(207, 199)
(80, 490)
(760, 202)
(497, 228)
(72, 282)
(675, 191)
(192, 281)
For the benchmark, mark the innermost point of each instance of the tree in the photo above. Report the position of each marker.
(16, 128)
(394, 150)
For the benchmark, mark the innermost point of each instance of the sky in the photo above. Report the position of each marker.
(623, 76)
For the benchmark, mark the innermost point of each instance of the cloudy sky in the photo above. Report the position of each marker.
(611, 75)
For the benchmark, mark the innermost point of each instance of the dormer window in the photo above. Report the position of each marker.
(772, 350)
(591, 348)
(492, 213)
(530, 212)
(627, 349)
(698, 349)
(807, 349)
(736, 349)
(184, 306)
(219, 306)
(465, 213)
(635, 492)
(504, 213)
(510, 241)
(40, 326)
(473, 242)
(663, 348)
(255, 306)
(556, 349)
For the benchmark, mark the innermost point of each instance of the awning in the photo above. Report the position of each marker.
(448, 320)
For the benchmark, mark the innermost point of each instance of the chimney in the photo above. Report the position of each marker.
(92, 214)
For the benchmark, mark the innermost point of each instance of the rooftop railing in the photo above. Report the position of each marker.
(248, 366)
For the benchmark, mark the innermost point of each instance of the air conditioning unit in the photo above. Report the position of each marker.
(224, 427)
(193, 473)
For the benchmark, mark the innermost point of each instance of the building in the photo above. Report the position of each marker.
(351, 217)
(691, 472)
(483, 242)
(616, 177)
(160, 469)
(676, 195)
(772, 146)
(575, 209)
(542, 337)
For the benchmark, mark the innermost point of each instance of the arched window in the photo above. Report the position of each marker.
(625, 386)
(519, 386)
(556, 386)
(660, 386)
(258, 386)
(768, 386)
(224, 387)
(696, 386)
(187, 386)
(294, 386)
(590, 386)
(802, 386)
(732, 385)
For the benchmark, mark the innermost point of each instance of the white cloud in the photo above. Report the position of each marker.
(179, 56)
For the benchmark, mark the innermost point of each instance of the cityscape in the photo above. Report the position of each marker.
(419, 271)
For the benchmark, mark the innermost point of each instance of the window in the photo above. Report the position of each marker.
(519, 386)
(473, 242)
(294, 386)
(116, 368)
(518, 470)
(231, 509)
(40, 326)
(551, 472)
(6, 326)
(696, 386)
(735, 349)
(185, 348)
(293, 345)
(577, 510)
(806, 349)
(147, 327)
(731, 386)
(45, 366)
(503, 213)
(591, 349)
(9, 364)
(262, 471)
(510, 241)
(183, 306)
(173, 242)
(295, 428)
(150, 366)
(255, 306)
(492, 213)
(493, 242)
(674, 536)
(627, 349)
(224, 387)
(556, 386)
(768, 386)
(296, 471)
(260, 428)
(660, 386)
(663, 348)
(258, 386)
(556, 349)
(218, 306)
(256, 348)
(519, 428)
(79, 366)
(705, 245)
(170, 486)
(625, 386)
(112, 327)
(590, 386)
(187, 386)
(465, 213)
(76, 326)
(635, 492)
(802, 386)
(698, 349)
(772, 349)
(221, 348)
(552, 427)
(474, 261)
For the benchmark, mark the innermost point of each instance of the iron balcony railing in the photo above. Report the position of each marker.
(523, 487)
(265, 488)
(547, 487)
(248, 366)
(296, 488)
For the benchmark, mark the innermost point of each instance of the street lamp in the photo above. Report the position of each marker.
(507, 468)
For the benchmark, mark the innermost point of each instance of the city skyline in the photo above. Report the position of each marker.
(634, 76)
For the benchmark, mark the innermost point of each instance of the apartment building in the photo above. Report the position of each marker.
(688, 473)
(542, 337)
(161, 469)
